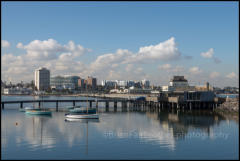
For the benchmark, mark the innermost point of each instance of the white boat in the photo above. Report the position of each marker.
(81, 120)
(81, 113)
(29, 108)
(82, 116)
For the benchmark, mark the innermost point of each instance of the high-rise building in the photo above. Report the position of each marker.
(92, 82)
(42, 78)
(81, 83)
(145, 83)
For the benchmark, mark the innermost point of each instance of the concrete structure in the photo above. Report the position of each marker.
(109, 83)
(17, 90)
(64, 82)
(134, 90)
(145, 83)
(119, 83)
(81, 83)
(42, 78)
(205, 87)
(178, 81)
(167, 88)
(91, 82)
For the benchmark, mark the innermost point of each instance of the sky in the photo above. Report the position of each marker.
(122, 40)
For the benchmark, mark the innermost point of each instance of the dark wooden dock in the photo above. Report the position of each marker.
(189, 101)
(107, 102)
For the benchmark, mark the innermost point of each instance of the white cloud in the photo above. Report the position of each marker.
(164, 51)
(170, 68)
(20, 45)
(60, 59)
(165, 66)
(129, 67)
(195, 70)
(50, 49)
(208, 54)
(214, 75)
(232, 75)
(5, 44)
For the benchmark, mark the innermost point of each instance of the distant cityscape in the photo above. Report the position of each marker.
(68, 84)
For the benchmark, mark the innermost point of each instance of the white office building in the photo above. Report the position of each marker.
(145, 83)
(178, 81)
(42, 78)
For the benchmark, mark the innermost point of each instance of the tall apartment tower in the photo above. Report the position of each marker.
(92, 82)
(42, 78)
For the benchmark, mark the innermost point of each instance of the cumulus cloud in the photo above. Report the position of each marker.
(208, 54)
(232, 75)
(50, 49)
(5, 44)
(214, 75)
(60, 59)
(164, 51)
(20, 45)
(170, 68)
(165, 66)
(129, 67)
(195, 70)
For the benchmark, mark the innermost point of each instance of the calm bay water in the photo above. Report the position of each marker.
(118, 135)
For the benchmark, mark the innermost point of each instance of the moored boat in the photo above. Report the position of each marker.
(83, 110)
(82, 116)
(72, 107)
(39, 112)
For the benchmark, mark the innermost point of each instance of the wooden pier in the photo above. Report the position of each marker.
(151, 103)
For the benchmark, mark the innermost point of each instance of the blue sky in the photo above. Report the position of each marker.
(105, 27)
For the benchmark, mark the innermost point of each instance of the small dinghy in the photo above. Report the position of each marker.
(39, 112)
(81, 120)
(83, 110)
(82, 116)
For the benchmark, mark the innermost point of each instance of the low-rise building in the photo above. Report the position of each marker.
(17, 90)
(64, 82)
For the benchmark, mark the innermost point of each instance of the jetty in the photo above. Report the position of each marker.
(174, 100)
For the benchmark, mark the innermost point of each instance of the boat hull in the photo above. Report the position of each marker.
(81, 120)
(83, 111)
(82, 116)
(39, 112)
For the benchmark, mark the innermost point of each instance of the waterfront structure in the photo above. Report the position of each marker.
(64, 82)
(178, 81)
(205, 87)
(135, 90)
(42, 78)
(17, 90)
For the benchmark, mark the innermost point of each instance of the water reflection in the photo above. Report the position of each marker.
(84, 121)
(164, 129)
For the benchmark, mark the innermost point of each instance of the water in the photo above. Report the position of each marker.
(228, 95)
(119, 135)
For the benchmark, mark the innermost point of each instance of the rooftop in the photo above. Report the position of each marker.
(178, 79)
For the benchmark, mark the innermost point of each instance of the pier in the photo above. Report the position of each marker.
(150, 103)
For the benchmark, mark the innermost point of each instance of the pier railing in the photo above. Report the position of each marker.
(171, 102)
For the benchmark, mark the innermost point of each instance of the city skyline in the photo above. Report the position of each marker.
(122, 40)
